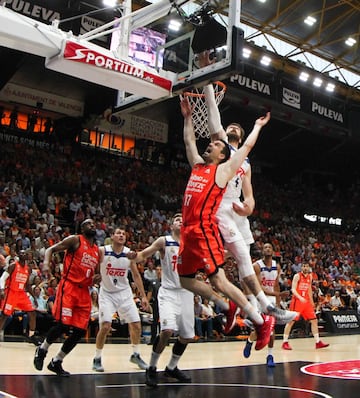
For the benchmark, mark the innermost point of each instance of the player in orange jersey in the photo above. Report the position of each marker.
(15, 295)
(201, 247)
(302, 302)
(72, 305)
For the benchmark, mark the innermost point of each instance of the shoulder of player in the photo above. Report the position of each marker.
(9, 269)
(297, 276)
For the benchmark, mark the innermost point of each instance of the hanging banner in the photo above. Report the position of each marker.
(131, 126)
(29, 96)
(298, 96)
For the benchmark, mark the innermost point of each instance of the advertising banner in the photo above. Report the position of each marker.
(342, 321)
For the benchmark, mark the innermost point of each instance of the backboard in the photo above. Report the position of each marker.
(170, 42)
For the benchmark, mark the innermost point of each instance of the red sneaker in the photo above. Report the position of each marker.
(286, 346)
(320, 344)
(264, 331)
(230, 317)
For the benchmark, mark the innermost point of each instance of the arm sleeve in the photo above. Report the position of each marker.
(214, 120)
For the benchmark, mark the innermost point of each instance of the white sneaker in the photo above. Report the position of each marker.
(135, 358)
(282, 316)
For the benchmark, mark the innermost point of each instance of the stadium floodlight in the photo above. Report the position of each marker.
(317, 82)
(309, 20)
(246, 52)
(350, 41)
(304, 76)
(330, 87)
(265, 60)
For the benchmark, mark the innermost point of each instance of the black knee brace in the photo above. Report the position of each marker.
(55, 332)
(179, 348)
(75, 336)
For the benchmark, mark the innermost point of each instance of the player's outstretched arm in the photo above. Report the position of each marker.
(189, 134)
(215, 126)
(228, 169)
(157, 245)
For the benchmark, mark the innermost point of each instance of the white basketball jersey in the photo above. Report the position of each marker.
(114, 270)
(268, 275)
(169, 275)
(233, 189)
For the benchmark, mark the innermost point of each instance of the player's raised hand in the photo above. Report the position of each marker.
(263, 120)
(185, 106)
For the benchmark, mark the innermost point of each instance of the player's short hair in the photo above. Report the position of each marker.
(174, 216)
(122, 227)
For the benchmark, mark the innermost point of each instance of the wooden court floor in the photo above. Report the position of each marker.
(218, 369)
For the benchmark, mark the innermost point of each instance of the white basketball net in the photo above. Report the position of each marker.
(199, 108)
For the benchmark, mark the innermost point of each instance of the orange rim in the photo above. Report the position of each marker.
(200, 95)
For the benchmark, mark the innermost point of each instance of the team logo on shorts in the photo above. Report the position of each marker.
(338, 370)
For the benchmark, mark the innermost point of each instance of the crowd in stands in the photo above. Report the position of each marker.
(45, 195)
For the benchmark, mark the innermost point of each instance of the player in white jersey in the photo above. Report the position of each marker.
(232, 214)
(116, 296)
(268, 272)
(176, 306)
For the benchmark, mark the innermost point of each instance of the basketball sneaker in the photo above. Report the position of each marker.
(97, 366)
(136, 358)
(230, 317)
(39, 357)
(282, 316)
(270, 361)
(247, 349)
(286, 346)
(264, 331)
(151, 377)
(320, 344)
(56, 367)
(36, 340)
(177, 374)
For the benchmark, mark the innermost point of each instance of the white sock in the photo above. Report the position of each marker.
(173, 361)
(264, 301)
(59, 356)
(253, 314)
(154, 359)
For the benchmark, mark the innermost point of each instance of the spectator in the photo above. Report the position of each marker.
(94, 315)
(150, 274)
(336, 302)
(44, 319)
(207, 317)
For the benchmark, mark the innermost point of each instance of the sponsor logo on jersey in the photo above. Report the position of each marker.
(115, 271)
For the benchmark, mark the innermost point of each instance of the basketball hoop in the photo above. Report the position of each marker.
(199, 109)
